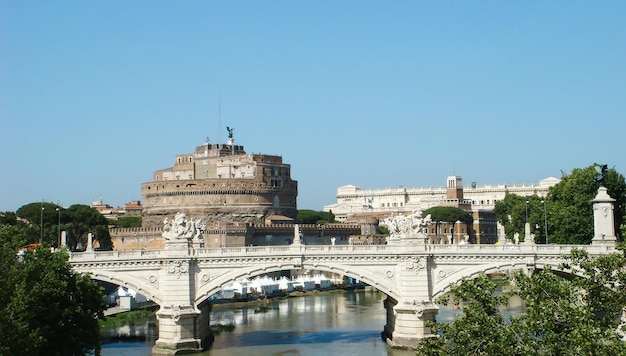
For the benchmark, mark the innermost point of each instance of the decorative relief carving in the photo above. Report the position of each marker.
(152, 279)
(205, 278)
(389, 274)
(443, 273)
(176, 315)
(178, 267)
(297, 262)
(417, 263)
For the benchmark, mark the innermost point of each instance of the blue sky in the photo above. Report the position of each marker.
(96, 95)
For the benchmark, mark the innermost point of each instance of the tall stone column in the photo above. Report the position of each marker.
(603, 219)
(64, 239)
(89, 246)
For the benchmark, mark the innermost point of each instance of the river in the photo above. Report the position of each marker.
(339, 322)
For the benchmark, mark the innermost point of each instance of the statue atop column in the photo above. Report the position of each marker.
(600, 174)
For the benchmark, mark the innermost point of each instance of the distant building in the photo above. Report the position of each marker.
(353, 200)
(104, 209)
(133, 208)
(354, 203)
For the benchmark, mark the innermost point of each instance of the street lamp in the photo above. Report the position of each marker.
(545, 219)
(59, 227)
(41, 236)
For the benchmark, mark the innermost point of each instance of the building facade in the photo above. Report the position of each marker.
(353, 200)
(480, 201)
(221, 183)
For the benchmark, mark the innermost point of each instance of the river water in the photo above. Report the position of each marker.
(338, 322)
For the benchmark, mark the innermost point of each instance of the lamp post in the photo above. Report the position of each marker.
(545, 218)
(59, 227)
(41, 236)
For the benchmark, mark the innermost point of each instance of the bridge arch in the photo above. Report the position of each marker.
(365, 275)
(444, 285)
(127, 280)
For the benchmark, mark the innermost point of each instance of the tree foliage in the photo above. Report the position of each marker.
(127, 221)
(83, 219)
(571, 207)
(511, 213)
(315, 217)
(33, 215)
(568, 208)
(448, 214)
(578, 316)
(46, 308)
(78, 220)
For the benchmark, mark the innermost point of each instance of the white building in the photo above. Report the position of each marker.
(353, 200)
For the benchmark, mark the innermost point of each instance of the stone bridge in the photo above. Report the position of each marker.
(411, 275)
(411, 272)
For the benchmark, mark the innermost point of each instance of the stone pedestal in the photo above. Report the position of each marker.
(603, 219)
(297, 236)
(177, 331)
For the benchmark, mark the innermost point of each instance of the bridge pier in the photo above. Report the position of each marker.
(183, 325)
(406, 323)
(183, 329)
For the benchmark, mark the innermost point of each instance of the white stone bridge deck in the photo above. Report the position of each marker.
(411, 275)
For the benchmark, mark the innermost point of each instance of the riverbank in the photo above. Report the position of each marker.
(260, 300)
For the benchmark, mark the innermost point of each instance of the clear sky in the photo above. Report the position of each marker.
(97, 95)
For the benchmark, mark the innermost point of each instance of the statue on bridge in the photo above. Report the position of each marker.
(403, 226)
(181, 228)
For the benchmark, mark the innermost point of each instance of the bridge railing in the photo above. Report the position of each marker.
(336, 250)
(522, 248)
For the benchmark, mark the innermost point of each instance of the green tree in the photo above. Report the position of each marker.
(83, 219)
(10, 218)
(568, 208)
(448, 214)
(570, 204)
(578, 316)
(36, 213)
(126, 221)
(46, 309)
(512, 213)
(481, 330)
(315, 217)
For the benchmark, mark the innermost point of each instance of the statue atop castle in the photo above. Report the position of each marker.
(231, 138)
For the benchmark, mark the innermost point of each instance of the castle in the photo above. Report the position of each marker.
(241, 199)
(221, 183)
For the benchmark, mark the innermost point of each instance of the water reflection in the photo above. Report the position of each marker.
(331, 323)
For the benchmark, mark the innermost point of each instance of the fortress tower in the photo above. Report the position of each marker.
(221, 183)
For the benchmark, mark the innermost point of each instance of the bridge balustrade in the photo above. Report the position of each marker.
(339, 249)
